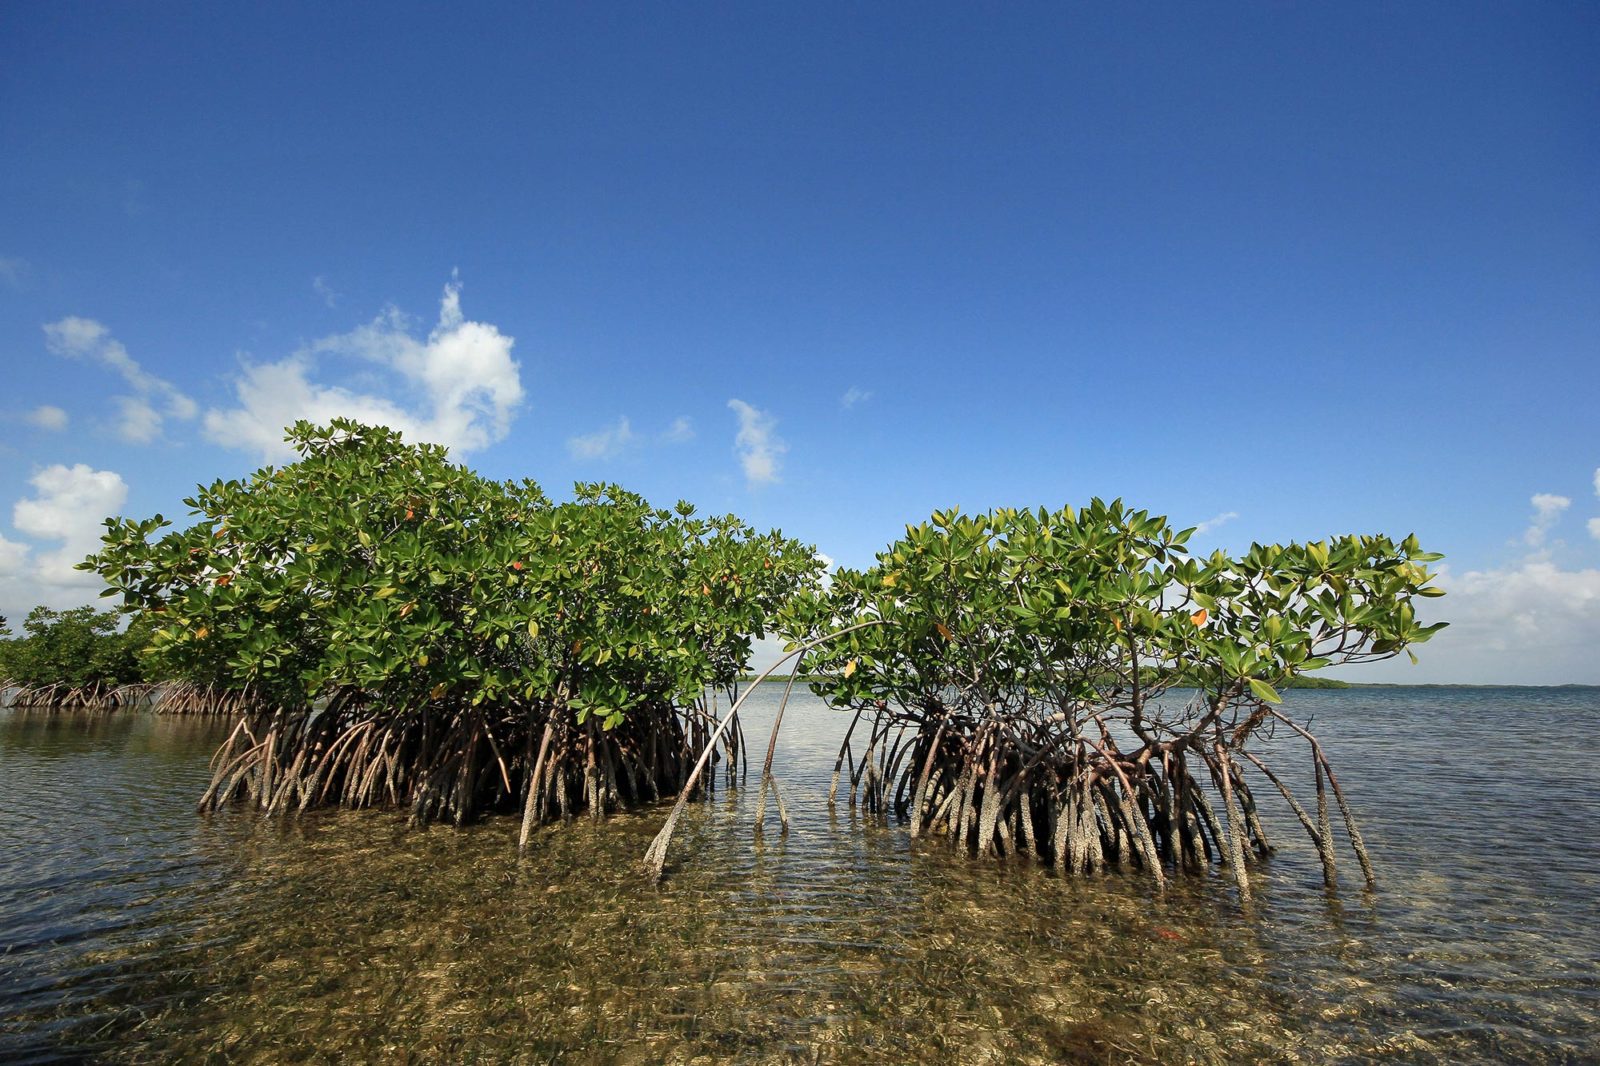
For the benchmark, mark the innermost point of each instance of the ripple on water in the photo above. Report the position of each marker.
(134, 929)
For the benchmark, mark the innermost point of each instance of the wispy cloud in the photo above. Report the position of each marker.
(757, 445)
(1547, 508)
(1594, 523)
(13, 269)
(47, 416)
(320, 286)
(155, 399)
(681, 430)
(458, 386)
(134, 203)
(853, 396)
(1216, 521)
(602, 444)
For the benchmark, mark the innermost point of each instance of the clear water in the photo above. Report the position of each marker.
(132, 929)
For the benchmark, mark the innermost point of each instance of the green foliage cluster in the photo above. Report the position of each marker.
(381, 570)
(78, 648)
(1102, 606)
(1010, 666)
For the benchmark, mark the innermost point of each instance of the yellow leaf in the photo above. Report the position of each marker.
(1118, 623)
(422, 660)
(201, 633)
(1199, 617)
(407, 609)
(438, 691)
(849, 668)
(889, 580)
(944, 630)
(533, 629)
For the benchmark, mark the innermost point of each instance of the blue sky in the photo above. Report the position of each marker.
(1286, 270)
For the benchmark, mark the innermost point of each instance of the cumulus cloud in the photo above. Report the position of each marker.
(602, 444)
(681, 430)
(1534, 620)
(757, 445)
(1530, 622)
(68, 506)
(47, 416)
(154, 399)
(13, 557)
(1547, 507)
(458, 386)
(853, 396)
(1215, 521)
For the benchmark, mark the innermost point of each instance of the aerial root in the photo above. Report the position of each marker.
(454, 764)
(992, 785)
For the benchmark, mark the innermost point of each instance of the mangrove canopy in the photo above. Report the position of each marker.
(1073, 686)
(410, 633)
(71, 659)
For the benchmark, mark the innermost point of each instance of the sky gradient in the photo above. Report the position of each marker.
(1283, 270)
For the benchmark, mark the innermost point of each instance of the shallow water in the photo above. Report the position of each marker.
(133, 929)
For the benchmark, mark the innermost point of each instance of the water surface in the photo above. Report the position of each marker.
(132, 929)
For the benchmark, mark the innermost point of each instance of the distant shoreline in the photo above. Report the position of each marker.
(1323, 684)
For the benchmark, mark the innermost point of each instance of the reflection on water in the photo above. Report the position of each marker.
(134, 929)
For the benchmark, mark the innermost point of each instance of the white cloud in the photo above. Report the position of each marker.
(459, 387)
(1215, 521)
(320, 286)
(853, 396)
(138, 422)
(1530, 622)
(602, 444)
(681, 430)
(1597, 481)
(46, 416)
(757, 446)
(69, 505)
(155, 399)
(13, 558)
(1546, 509)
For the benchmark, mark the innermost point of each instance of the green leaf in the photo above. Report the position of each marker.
(1264, 691)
